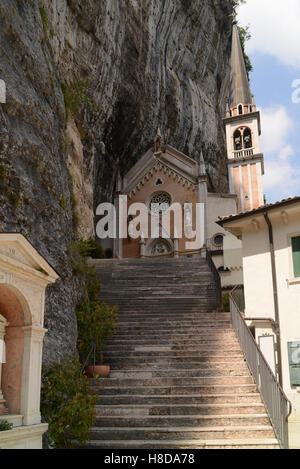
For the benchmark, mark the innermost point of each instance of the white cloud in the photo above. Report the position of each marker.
(274, 27)
(282, 176)
(276, 125)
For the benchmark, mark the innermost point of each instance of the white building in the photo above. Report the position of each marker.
(270, 238)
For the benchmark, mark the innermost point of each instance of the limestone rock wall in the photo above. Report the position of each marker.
(149, 64)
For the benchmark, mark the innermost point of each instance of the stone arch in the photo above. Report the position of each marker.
(12, 309)
(237, 138)
(247, 138)
(159, 247)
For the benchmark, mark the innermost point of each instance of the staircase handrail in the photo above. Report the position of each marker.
(214, 271)
(277, 404)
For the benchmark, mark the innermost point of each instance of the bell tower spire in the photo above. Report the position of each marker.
(240, 94)
(243, 128)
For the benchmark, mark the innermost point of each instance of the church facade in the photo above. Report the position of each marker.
(165, 176)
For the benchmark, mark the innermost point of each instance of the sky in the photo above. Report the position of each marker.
(274, 49)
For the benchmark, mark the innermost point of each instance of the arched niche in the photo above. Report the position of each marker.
(237, 138)
(247, 138)
(159, 247)
(17, 317)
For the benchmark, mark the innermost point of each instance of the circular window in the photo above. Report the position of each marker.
(160, 202)
(219, 241)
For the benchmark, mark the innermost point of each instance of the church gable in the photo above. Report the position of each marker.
(167, 161)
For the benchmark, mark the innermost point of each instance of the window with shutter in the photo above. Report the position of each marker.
(296, 255)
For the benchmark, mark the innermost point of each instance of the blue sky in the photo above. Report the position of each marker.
(274, 50)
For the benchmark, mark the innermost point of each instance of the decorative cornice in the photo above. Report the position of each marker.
(171, 172)
(244, 117)
(246, 159)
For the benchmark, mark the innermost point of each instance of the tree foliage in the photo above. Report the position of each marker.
(67, 403)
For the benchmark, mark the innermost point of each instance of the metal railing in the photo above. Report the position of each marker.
(217, 279)
(276, 402)
(239, 297)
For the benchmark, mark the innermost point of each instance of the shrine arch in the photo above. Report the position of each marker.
(15, 310)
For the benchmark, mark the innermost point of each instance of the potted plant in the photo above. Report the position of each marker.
(97, 322)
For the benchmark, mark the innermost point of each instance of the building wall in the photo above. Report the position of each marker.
(289, 306)
(222, 205)
(219, 205)
(259, 293)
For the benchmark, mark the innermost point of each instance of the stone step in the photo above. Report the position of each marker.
(169, 331)
(131, 349)
(175, 322)
(197, 381)
(138, 316)
(178, 390)
(183, 421)
(171, 325)
(143, 353)
(184, 409)
(177, 344)
(179, 363)
(247, 443)
(181, 433)
(136, 399)
(222, 370)
(170, 337)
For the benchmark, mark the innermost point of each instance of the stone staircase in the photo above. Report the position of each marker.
(178, 379)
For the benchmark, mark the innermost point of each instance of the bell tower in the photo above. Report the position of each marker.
(243, 128)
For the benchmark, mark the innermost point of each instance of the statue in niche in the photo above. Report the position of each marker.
(188, 218)
(158, 142)
(131, 231)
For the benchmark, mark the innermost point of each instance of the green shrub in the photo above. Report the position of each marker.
(90, 248)
(5, 426)
(97, 322)
(44, 16)
(77, 96)
(226, 303)
(3, 173)
(67, 403)
(62, 202)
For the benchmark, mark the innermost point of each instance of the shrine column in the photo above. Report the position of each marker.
(3, 326)
(203, 193)
(31, 381)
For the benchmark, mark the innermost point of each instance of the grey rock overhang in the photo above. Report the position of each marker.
(240, 92)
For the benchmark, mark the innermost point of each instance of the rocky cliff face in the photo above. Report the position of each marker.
(129, 67)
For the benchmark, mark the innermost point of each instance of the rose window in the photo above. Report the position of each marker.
(160, 202)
